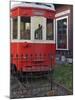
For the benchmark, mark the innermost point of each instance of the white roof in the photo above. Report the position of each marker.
(35, 5)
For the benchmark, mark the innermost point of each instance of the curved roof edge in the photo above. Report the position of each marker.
(35, 5)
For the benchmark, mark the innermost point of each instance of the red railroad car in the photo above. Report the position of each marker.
(33, 37)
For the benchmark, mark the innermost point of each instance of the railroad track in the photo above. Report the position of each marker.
(36, 88)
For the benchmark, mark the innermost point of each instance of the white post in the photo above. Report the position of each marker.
(44, 28)
(18, 27)
(32, 27)
(54, 30)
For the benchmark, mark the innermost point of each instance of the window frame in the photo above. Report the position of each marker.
(52, 29)
(31, 32)
(20, 30)
(44, 40)
(43, 31)
(11, 28)
(57, 19)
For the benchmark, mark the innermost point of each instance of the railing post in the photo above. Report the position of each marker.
(51, 72)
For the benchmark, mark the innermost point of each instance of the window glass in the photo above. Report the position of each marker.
(62, 33)
(25, 28)
(49, 33)
(38, 30)
(15, 35)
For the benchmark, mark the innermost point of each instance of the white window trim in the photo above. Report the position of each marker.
(44, 28)
(19, 19)
(34, 41)
(62, 13)
(56, 33)
(54, 30)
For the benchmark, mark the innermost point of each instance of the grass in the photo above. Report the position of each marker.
(64, 74)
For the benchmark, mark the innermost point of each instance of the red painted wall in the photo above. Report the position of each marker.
(39, 56)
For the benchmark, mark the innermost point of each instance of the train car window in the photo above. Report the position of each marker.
(37, 27)
(15, 35)
(25, 28)
(49, 32)
(38, 32)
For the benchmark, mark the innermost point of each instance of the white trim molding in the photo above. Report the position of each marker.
(18, 27)
(35, 5)
(34, 41)
(54, 30)
(62, 13)
(66, 33)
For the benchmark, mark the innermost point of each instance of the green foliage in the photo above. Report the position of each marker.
(64, 75)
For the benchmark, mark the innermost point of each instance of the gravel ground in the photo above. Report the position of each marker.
(34, 88)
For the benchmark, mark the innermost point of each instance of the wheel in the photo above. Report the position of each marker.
(13, 69)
